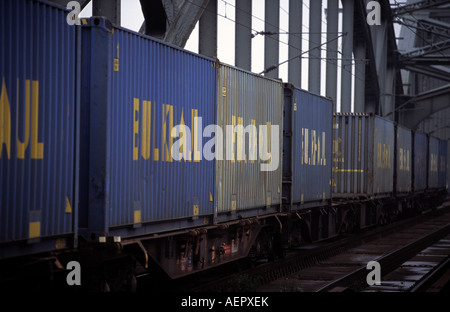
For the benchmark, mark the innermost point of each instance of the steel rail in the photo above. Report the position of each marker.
(390, 261)
(431, 277)
(266, 273)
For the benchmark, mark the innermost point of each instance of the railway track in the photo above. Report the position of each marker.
(411, 253)
(404, 268)
(414, 258)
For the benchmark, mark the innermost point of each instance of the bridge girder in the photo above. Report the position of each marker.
(425, 60)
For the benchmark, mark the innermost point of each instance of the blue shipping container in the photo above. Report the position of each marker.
(248, 102)
(433, 156)
(442, 179)
(403, 169)
(420, 162)
(37, 128)
(363, 155)
(307, 161)
(383, 156)
(135, 90)
(442, 164)
(350, 154)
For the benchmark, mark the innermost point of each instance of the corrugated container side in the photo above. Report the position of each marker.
(420, 162)
(433, 156)
(442, 179)
(247, 99)
(403, 160)
(363, 155)
(145, 88)
(351, 156)
(448, 169)
(310, 135)
(433, 160)
(383, 165)
(37, 127)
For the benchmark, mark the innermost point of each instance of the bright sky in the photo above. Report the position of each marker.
(132, 18)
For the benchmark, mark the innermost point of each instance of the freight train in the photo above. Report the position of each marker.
(91, 115)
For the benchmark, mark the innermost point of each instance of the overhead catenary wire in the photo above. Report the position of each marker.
(326, 60)
(294, 57)
(282, 30)
(298, 34)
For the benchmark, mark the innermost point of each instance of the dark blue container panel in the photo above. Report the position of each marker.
(403, 160)
(37, 128)
(442, 164)
(433, 156)
(145, 88)
(383, 151)
(420, 162)
(312, 118)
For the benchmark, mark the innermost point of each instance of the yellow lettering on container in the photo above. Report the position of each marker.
(135, 127)
(22, 146)
(197, 153)
(240, 140)
(233, 123)
(269, 138)
(167, 148)
(37, 148)
(68, 206)
(146, 129)
(313, 146)
(253, 143)
(5, 121)
(183, 139)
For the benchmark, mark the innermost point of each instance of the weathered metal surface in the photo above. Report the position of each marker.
(37, 127)
(403, 160)
(136, 90)
(256, 104)
(420, 162)
(363, 155)
(433, 160)
(442, 164)
(307, 147)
